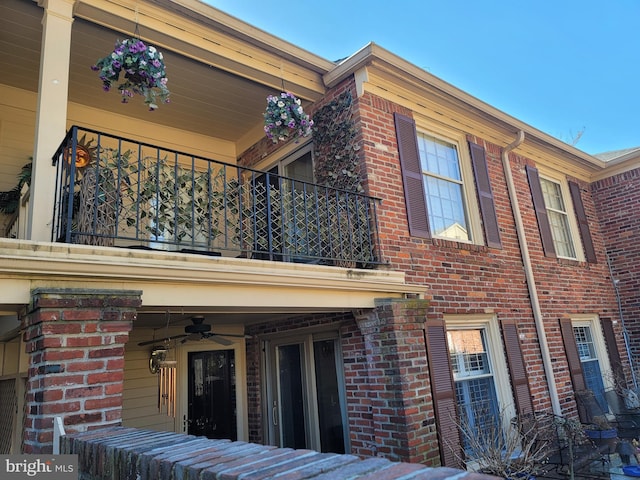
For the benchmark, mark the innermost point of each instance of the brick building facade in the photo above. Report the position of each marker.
(485, 292)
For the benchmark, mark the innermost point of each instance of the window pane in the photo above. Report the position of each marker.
(329, 407)
(560, 231)
(468, 353)
(477, 399)
(590, 363)
(584, 341)
(558, 218)
(444, 188)
(300, 169)
(439, 157)
(292, 408)
(552, 195)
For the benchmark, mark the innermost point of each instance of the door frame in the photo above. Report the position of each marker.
(271, 380)
(239, 352)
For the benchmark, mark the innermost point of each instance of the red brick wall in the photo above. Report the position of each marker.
(459, 278)
(75, 341)
(399, 391)
(467, 279)
(388, 398)
(617, 201)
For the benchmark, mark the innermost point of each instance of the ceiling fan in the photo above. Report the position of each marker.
(198, 330)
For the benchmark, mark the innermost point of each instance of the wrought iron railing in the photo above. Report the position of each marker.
(114, 191)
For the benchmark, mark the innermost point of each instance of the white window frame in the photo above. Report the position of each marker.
(286, 155)
(570, 212)
(593, 322)
(293, 156)
(498, 361)
(469, 194)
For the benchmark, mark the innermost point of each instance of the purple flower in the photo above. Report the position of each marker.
(156, 63)
(138, 47)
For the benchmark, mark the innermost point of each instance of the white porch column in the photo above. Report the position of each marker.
(51, 113)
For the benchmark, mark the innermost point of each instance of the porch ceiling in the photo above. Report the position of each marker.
(204, 99)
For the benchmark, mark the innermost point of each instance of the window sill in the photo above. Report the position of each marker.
(453, 244)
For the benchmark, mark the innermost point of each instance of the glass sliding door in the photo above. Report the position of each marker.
(291, 396)
(306, 395)
(330, 420)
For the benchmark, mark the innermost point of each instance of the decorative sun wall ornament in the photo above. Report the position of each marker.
(142, 67)
(284, 118)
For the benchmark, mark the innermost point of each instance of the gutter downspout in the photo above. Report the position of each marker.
(625, 332)
(528, 270)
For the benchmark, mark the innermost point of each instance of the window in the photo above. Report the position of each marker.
(558, 218)
(473, 377)
(591, 351)
(437, 176)
(481, 382)
(444, 188)
(470, 380)
(561, 216)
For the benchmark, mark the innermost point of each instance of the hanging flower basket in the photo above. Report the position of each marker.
(142, 68)
(284, 118)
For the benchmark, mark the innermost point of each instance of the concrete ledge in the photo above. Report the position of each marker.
(120, 453)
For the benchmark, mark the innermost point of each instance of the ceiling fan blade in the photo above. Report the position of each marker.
(234, 335)
(191, 337)
(160, 340)
(218, 339)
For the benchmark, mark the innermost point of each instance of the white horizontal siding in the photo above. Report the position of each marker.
(140, 396)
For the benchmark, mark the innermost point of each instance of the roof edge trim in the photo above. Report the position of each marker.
(372, 52)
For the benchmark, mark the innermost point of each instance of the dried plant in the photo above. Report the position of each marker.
(505, 449)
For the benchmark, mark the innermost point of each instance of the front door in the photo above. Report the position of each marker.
(306, 395)
(211, 408)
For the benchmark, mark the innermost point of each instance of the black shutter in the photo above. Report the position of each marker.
(485, 196)
(443, 393)
(573, 359)
(517, 369)
(541, 212)
(412, 176)
(583, 223)
(614, 354)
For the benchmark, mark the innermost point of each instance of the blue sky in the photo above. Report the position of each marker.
(562, 66)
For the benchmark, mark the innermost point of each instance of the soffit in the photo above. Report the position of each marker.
(218, 83)
(204, 40)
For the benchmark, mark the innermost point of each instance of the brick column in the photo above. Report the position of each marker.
(75, 340)
(398, 381)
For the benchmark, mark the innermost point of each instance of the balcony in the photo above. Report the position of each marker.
(113, 191)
